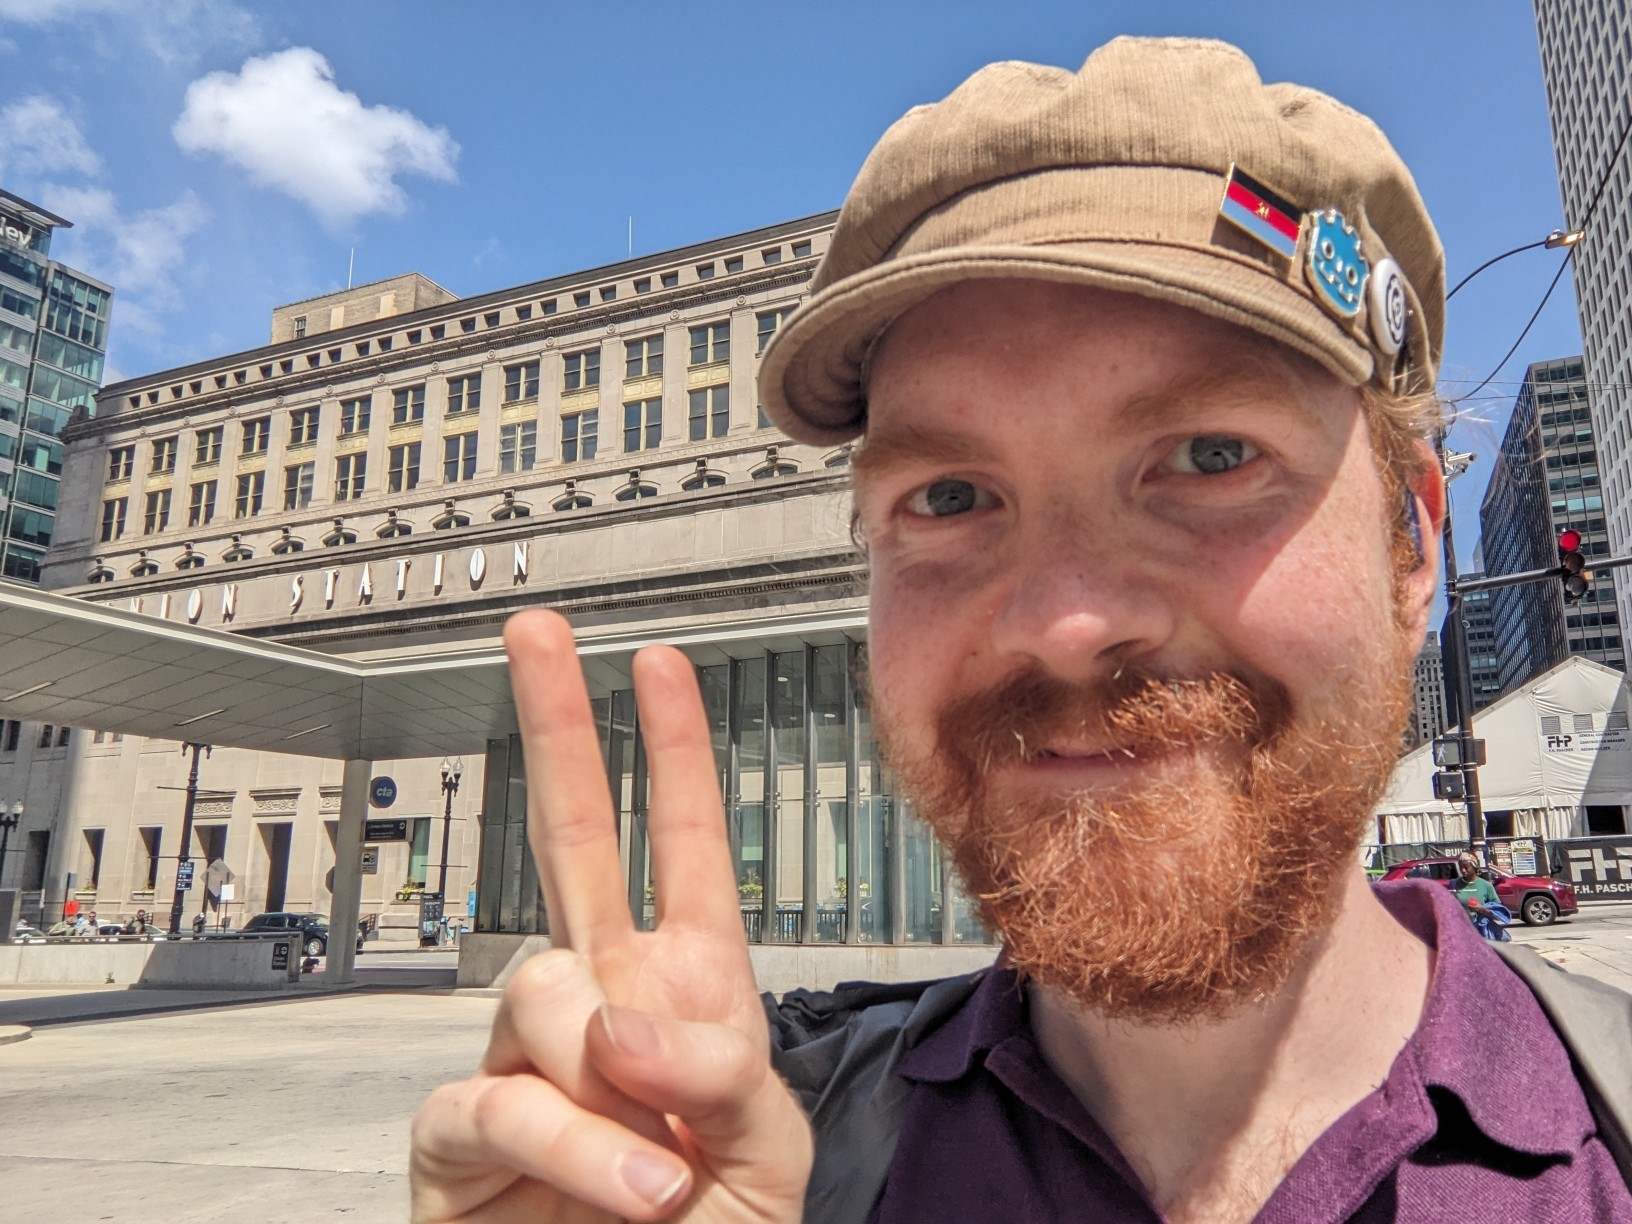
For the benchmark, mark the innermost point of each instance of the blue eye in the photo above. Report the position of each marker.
(944, 498)
(1211, 454)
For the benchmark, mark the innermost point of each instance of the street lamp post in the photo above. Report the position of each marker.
(186, 834)
(451, 773)
(1453, 466)
(8, 822)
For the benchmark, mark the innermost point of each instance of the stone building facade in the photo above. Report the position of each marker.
(592, 443)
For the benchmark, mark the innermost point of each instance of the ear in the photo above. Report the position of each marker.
(1426, 494)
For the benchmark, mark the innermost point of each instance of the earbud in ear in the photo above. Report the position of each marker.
(1415, 517)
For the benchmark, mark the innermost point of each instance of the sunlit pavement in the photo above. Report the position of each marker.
(279, 1111)
(296, 1108)
(1597, 942)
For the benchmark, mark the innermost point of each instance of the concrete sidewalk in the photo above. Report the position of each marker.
(38, 1006)
(1596, 943)
(291, 1110)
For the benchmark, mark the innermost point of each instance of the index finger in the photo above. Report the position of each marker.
(570, 820)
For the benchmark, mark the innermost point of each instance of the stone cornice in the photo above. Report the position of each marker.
(542, 521)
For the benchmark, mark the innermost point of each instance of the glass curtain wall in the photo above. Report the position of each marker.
(824, 850)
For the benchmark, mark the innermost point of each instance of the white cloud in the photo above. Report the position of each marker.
(139, 254)
(283, 119)
(38, 137)
(177, 32)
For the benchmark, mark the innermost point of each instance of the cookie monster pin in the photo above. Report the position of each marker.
(1335, 267)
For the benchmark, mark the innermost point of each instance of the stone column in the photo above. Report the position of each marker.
(348, 874)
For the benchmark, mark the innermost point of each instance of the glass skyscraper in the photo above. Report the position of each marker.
(53, 338)
(1547, 479)
(1586, 59)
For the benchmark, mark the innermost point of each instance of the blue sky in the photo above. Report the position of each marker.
(222, 158)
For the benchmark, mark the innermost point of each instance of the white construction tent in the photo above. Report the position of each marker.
(1554, 748)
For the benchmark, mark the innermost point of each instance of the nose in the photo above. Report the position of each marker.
(1079, 602)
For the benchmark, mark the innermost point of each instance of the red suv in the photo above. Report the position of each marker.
(1536, 899)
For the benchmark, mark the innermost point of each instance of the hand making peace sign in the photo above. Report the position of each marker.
(628, 1073)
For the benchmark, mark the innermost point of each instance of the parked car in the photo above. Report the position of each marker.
(1539, 900)
(313, 929)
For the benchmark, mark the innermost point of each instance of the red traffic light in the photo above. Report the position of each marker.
(1569, 540)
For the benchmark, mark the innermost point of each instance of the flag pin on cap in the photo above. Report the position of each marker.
(1260, 212)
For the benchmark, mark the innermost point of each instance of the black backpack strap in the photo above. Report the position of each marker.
(838, 1052)
(1594, 1020)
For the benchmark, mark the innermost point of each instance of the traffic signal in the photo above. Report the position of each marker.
(1572, 566)
(1450, 786)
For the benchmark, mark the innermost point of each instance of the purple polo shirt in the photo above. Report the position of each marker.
(1480, 1118)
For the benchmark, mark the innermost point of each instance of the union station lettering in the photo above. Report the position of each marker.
(343, 585)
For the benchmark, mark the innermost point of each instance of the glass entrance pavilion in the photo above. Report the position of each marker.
(826, 850)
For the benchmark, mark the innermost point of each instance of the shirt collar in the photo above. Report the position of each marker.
(1482, 1036)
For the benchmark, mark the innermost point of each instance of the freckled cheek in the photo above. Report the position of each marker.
(921, 627)
(1322, 606)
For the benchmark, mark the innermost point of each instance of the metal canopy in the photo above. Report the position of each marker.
(71, 662)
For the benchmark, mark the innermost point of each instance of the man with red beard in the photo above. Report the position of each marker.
(1141, 358)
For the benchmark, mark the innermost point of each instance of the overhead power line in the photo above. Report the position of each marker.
(1584, 225)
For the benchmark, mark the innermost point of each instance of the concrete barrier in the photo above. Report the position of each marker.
(203, 964)
(487, 960)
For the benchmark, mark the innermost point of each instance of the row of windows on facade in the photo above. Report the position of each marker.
(710, 344)
(202, 511)
(709, 417)
(383, 344)
(11, 732)
(581, 299)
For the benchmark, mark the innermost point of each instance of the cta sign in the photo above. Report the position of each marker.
(1599, 868)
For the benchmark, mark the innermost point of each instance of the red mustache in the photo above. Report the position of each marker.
(1133, 712)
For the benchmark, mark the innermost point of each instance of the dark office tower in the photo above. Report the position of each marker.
(1586, 58)
(53, 336)
(1546, 479)
(1427, 694)
(1485, 666)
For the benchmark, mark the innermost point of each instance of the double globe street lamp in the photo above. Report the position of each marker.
(451, 773)
(8, 821)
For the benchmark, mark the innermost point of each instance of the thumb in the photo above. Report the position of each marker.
(742, 1120)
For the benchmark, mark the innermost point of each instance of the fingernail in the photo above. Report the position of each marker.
(631, 1031)
(652, 1178)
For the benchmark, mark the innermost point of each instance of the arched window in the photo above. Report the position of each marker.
(238, 550)
(189, 559)
(145, 566)
(841, 457)
(702, 478)
(100, 572)
(394, 527)
(450, 518)
(774, 466)
(287, 543)
(339, 534)
(510, 508)
(572, 501)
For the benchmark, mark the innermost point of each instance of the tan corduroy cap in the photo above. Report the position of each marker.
(1164, 168)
